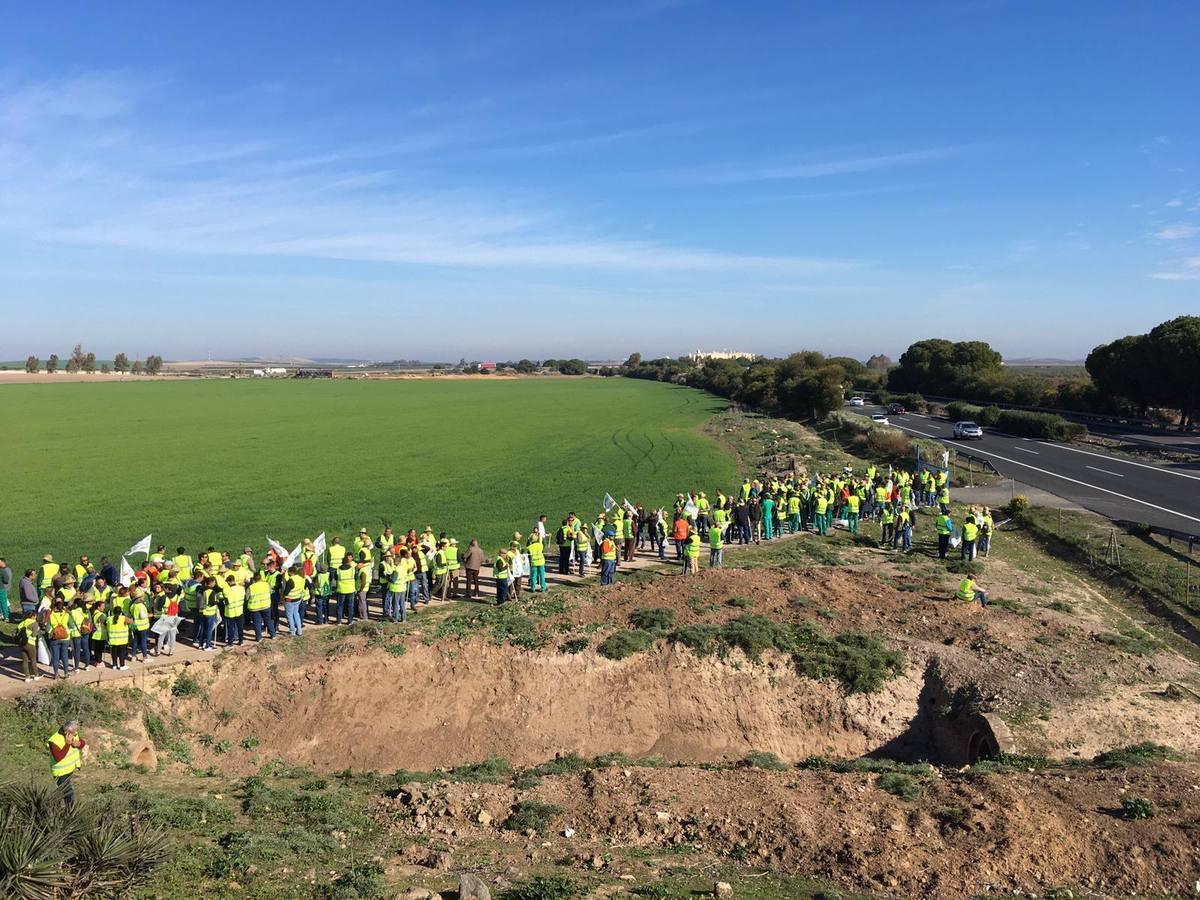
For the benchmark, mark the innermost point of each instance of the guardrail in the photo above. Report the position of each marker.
(973, 460)
(1172, 536)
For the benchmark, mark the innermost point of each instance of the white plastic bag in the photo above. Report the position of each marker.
(43, 652)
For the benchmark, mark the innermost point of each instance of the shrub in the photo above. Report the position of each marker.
(574, 645)
(1046, 426)
(625, 643)
(964, 567)
(1017, 506)
(44, 712)
(759, 759)
(740, 602)
(888, 442)
(531, 814)
(958, 411)
(492, 770)
(900, 785)
(362, 880)
(651, 619)
(1137, 808)
(881, 766)
(186, 685)
(1134, 755)
(700, 639)
(951, 817)
(989, 416)
(563, 764)
(544, 887)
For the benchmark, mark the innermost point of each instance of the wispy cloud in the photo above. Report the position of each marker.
(80, 166)
(1190, 271)
(784, 169)
(1177, 232)
(1173, 203)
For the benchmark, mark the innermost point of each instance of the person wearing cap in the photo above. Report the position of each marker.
(247, 560)
(67, 753)
(608, 557)
(140, 614)
(47, 573)
(500, 569)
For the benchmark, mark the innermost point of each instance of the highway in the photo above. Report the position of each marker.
(1121, 489)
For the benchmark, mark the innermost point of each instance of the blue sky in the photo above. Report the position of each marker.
(497, 180)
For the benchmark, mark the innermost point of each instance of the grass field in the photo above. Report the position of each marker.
(94, 467)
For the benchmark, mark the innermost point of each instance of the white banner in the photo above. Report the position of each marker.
(126, 573)
(319, 544)
(291, 558)
(142, 546)
(277, 547)
(609, 502)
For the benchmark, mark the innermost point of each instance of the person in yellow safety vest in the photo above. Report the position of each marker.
(537, 562)
(58, 627)
(453, 565)
(28, 631)
(583, 544)
(887, 525)
(821, 511)
(99, 635)
(210, 599)
(117, 630)
(295, 592)
(691, 551)
(793, 513)
(81, 627)
(362, 581)
(344, 582)
(853, 505)
(943, 498)
(336, 553)
(140, 615)
(715, 545)
(944, 526)
(81, 569)
(235, 607)
(391, 575)
(213, 558)
(970, 534)
(258, 604)
(67, 752)
(441, 570)
(987, 527)
(500, 573)
(968, 592)
(608, 557)
(322, 592)
(47, 572)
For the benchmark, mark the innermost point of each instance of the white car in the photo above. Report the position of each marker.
(880, 419)
(965, 431)
(856, 401)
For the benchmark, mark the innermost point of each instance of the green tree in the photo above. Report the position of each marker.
(121, 363)
(136, 369)
(525, 367)
(52, 363)
(572, 367)
(940, 367)
(75, 363)
(32, 364)
(89, 363)
(153, 364)
(633, 361)
(1175, 349)
(1120, 370)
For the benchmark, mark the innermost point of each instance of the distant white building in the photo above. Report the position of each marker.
(702, 355)
(268, 373)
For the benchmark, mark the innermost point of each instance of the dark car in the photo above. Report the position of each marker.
(896, 409)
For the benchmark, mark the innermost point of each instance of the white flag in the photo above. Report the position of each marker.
(276, 546)
(691, 511)
(292, 557)
(126, 572)
(629, 507)
(609, 502)
(142, 546)
(319, 544)
(946, 460)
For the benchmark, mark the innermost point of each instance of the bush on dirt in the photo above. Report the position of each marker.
(563, 764)
(545, 887)
(651, 619)
(1017, 506)
(531, 815)
(1134, 755)
(187, 685)
(952, 817)
(900, 785)
(574, 645)
(625, 643)
(44, 712)
(1137, 808)
(761, 759)
(362, 881)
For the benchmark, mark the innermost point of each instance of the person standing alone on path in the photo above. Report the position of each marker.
(67, 751)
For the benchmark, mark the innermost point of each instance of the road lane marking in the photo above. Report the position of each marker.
(1024, 450)
(1094, 487)
(1105, 471)
(1127, 462)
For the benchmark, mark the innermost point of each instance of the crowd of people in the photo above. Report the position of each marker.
(75, 616)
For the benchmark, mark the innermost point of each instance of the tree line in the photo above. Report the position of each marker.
(79, 361)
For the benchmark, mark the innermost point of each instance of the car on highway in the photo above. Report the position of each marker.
(967, 431)
(856, 401)
(897, 409)
(880, 419)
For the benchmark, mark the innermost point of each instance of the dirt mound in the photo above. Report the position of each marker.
(959, 837)
(430, 708)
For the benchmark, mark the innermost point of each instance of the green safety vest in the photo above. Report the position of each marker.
(714, 539)
(944, 525)
(235, 601)
(970, 531)
(208, 603)
(70, 762)
(500, 567)
(452, 557)
(440, 566)
(118, 631)
(295, 588)
(693, 544)
(345, 580)
(537, 553)
(27, 625)
(184, 563)
(260, 596)
(966, 590)
(99, 626)
(141, 617)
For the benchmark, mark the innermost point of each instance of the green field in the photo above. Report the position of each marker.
(91, 468)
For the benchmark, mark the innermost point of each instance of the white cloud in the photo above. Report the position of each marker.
(1189, 272)
(796, 169)
(1174, 203)
(1176, 232)
(79, 165)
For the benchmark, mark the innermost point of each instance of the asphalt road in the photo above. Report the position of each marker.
(1167, 496)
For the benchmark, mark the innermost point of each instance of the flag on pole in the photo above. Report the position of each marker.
(277, 547)
(946, 460)
(142, 546)
(319, 544)
(691, 510)
(292, 557)
(609, 502)
(126, 572)
(629, 508)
